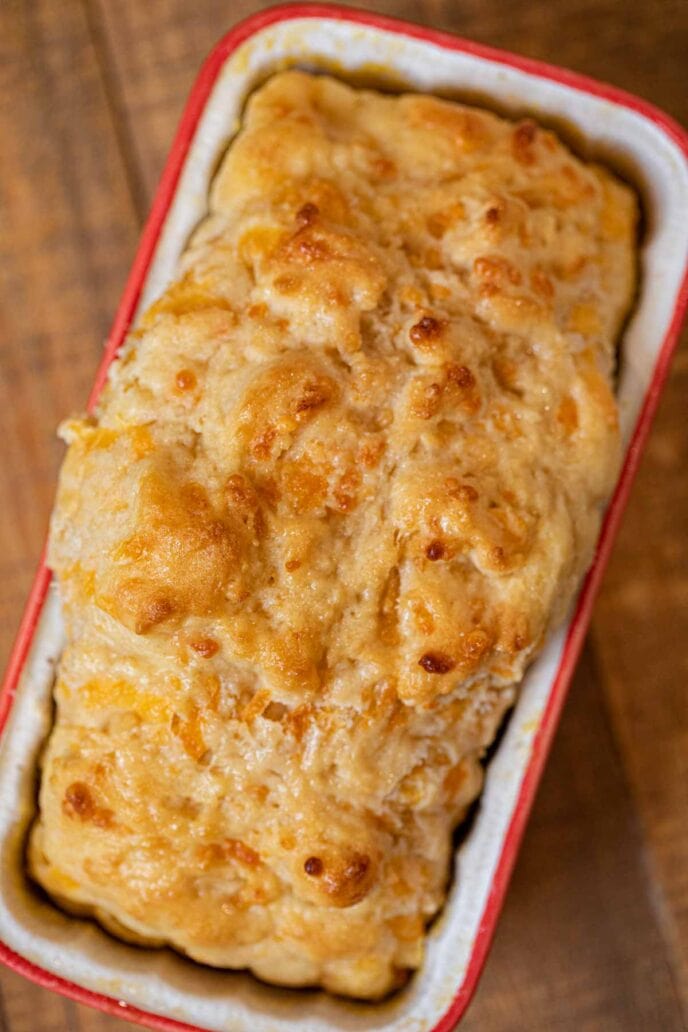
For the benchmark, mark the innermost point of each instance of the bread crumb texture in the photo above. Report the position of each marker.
(345, 474)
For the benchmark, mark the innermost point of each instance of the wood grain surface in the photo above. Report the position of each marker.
(594, 934)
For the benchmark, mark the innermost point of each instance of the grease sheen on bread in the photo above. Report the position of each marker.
(345, 475)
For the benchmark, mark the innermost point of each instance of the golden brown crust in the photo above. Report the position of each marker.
(346, 474)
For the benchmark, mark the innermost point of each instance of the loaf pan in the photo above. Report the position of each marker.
(159, 988)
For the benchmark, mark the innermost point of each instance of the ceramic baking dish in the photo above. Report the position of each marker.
(159, 988)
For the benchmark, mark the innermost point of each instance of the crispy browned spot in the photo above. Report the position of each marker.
(347, 879)
(79, 803)
(384, 168)
(462, 492)
(315, 393)
(426, 331)
(238, 850)
(153, 612)
(185, 380)
(460, 376)
(205, 647)
(436, 662)
(208, 853)
(313, 866)
(275, 711)
(498, 555)
(435, 551)
(308, 213)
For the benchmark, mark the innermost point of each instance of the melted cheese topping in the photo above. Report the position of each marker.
(346, 474)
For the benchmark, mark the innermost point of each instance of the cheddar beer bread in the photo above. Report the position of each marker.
(345, 476)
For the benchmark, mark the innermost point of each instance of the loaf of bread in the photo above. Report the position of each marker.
(346, 474)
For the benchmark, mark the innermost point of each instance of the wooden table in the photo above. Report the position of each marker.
(594, 935)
